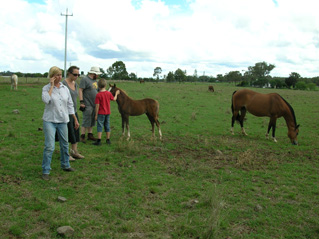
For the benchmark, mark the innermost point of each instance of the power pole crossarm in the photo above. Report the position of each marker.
(66, 37)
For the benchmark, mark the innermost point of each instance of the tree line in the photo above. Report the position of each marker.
(256, 76)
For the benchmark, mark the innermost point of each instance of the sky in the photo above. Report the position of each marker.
(208, 36)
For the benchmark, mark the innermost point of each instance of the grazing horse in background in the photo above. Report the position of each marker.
(211, 88)
(271, 105)
(14, 82)
(129, 107)
(142, 81)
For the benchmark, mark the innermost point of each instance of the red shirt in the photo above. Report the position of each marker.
(103, 99)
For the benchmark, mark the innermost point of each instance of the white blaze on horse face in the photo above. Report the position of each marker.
(110, 89)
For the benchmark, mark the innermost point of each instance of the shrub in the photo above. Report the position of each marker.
(301, 85)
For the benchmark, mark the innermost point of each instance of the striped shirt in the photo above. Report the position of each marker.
(59, 105)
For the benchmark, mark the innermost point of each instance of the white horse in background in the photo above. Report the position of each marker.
(14, 82)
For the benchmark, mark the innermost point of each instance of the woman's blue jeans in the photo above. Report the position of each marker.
(49, 130)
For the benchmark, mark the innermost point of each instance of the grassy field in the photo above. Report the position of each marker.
(199, 182)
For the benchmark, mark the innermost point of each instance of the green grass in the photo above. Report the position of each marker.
(199, 182)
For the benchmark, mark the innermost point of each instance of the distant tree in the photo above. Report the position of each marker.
(170, 77)
(19, 74)
(292, 79)
(110, 72)
(311, 86)
(180, 75)
(220, 78)
(195, 75)
(261, 82)
(260, 70)
(315, 80)
(203, 78)
(119, 71)
(233, 76)
(132, 76)
(157, 72)
(295, 75)
(103, 75)
(278, 83)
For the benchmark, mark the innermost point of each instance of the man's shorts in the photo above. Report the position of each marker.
(88, 117)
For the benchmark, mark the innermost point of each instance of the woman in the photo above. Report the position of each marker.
(74, 134)
(58, 107)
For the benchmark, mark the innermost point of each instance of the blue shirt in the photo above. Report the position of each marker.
(59, 105)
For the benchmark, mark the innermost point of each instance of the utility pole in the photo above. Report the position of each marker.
(66, 37)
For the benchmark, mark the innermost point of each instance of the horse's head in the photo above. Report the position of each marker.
(292, 134)
(113, 89)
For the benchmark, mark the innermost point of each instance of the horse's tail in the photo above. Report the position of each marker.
(232, 106)
(157, 108)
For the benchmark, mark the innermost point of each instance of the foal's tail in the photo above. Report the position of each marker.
(232, 106)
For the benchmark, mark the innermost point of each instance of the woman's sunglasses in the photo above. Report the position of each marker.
(75, 74)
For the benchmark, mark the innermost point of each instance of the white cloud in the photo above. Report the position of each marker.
(214, 37)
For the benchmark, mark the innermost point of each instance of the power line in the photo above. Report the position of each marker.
(66, 37)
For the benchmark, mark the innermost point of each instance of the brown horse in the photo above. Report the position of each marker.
(142, 81)
(271, 105)
(211, 88)
(129, 107)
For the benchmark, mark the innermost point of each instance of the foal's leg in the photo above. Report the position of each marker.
(274, 129)
(152, 121)
(128, 128)
(123, 125)
(159, 129)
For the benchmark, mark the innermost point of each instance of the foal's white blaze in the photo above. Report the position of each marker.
(109, 89)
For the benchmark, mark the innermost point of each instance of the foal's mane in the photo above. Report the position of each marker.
(291, 109)
(124, 92)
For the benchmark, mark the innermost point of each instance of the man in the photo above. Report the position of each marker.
(87, 92)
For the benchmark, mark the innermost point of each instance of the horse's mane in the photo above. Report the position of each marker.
(291, 109)
(123, 91)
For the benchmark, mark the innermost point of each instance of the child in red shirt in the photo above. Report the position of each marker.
(103, 111)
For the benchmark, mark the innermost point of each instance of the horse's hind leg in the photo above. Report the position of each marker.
(125, 124)
(152, 121)
(241, 120)
(128, 128)
(159, 129)
(233, 119)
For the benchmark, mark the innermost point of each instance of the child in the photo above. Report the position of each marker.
(103, 111)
